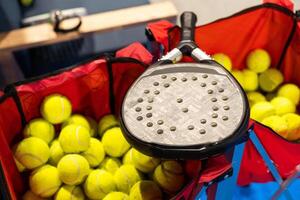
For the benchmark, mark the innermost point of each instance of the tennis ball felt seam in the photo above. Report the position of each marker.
(165, 169)
(91, 156)
(76, 164)
(44, 192)
(127, 179)
(99, 183)
(32, 156)
(77, 134)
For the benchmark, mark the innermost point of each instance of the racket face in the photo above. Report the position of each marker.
(182, 105)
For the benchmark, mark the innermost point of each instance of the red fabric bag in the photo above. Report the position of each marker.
(95, 88)
(274, 27)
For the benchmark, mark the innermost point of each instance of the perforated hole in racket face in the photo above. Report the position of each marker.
(183, 105)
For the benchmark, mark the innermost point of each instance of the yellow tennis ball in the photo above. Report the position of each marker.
(98, 184)
(107, 122)
(283, 105)
(223, 59)
(116, 196)
(31, 196)
(40, 128)
(125, 177)
(270, 79)
(255, 97)
(32, 152)
(26, 2)
(169, 176)
(239, 76)
(56, 108)
(114, 142)
(93, 126)
(74, 139)
(78, 120)
(127, 158)
(110, 165)
(293, 124)
(95, 153)
(277, 123)
(290, 91)
(44, 181)
(145, 190)
(258, 60)
(56, 153)
(69, 192)
(250, 82)
(73, 169)
(261, 110)
(143, 162)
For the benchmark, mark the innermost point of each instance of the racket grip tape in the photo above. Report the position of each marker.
(188, 22)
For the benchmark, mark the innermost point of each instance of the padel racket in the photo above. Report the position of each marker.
(185, 110)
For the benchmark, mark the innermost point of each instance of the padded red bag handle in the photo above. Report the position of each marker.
(284, 3)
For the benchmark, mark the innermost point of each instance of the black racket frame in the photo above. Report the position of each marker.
(188, 47)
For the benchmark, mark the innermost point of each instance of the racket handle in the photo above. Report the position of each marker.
(188, 22)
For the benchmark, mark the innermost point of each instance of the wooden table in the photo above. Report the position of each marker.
(43, 34)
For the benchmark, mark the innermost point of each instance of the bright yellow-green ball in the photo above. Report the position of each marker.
(125, 177)
(116, 196)
(127, 158)
(239, 76)
(143, 162)
(110, 165)
(290, 91)
(74, 139)
(169, 176)
(73, 169)
(31, 196)
(261, 110)
(56, 153)
(270, 79)
(250, 80)
(40, 128)
(293, 124)
(258, 60)
(98, 184)
(283, 105)
(114, 142)
(32, 152)
(107, 122)
(78, 120)
(255, 97)
(93, 126)
(223, 59)
(26, 2)
(69, 192)
(277, 123)
(145, 190)
(44, 181)
(56, 108)
(95, 153)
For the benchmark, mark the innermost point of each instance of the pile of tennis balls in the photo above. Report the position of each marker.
(272, 102)
(72, 157)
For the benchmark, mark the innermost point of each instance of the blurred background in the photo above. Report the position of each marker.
(28, 58)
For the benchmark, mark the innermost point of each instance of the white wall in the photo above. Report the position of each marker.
(210, 10)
